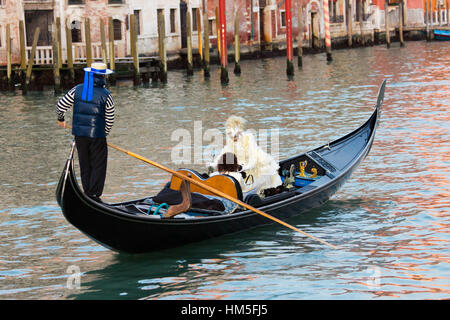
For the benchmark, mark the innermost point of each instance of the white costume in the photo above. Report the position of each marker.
(254, 161)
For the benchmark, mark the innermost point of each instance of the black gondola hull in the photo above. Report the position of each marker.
(131, 235)
(124, 232)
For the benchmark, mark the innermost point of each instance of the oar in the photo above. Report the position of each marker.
(216, 192)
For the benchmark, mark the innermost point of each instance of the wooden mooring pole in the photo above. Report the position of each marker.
(289, 42)
(223, 43)
(400, 22)
(447, 8)
(300, 36)
(199, 35)
(31, 60)
(103, 39)
(162, 47)
(189, 67)
(23, 57)
(206, 70)
(112, 54)
(87, 32)
(431, 15)
(23, 53)
(134, 50)
(218, 32)
(58, 41)
(386, 23)
(350, 22)
(361, 23)
(8, 57)
(69, 53)
(427, 21)
(237, 47)
(56, 59)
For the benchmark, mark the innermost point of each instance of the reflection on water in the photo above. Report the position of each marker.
(391, 219)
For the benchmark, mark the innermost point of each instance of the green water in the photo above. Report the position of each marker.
(390, 220)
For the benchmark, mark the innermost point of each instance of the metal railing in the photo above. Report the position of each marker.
(79, 51)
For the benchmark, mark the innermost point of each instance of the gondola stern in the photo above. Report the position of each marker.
(64, 175)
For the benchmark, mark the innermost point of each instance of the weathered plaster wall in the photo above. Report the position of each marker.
(10, 13)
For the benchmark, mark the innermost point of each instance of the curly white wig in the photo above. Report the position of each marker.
(235, 122)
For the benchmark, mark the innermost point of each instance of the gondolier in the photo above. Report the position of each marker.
(93, 118)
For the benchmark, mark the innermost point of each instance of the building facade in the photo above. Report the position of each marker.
(261, 22)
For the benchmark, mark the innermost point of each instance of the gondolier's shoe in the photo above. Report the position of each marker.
(185, 204)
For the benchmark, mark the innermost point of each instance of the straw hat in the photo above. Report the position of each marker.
(99, 68)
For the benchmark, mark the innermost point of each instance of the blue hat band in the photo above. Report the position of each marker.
(97, 70)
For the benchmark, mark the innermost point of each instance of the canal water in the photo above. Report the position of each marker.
(390, 220)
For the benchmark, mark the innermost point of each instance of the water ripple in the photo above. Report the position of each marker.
(391, 219)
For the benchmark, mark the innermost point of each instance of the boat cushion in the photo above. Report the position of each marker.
(171, 197)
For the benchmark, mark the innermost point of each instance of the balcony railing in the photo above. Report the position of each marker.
(80, 51)
(37, 1)
(44, 54)
(337, 19)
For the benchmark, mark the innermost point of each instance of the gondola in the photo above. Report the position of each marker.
(127, 227)
(440, 34)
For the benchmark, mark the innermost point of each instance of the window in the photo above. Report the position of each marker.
(332, 11)
(72, 2)
(194, 19)
(362, 6)
(75, 29)
(117, 25)
(333, 7)
(173, 13)
(1, 32)
(137, 14)
(115, 1)
(3, 3)
(283, 19)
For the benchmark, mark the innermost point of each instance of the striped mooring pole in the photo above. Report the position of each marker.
(223, 42)
(289, 49)
(326, 18)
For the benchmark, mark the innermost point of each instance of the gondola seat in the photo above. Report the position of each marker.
(221, 182)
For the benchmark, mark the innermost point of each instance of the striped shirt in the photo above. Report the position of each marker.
(67, 101)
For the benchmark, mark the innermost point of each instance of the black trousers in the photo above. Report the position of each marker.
(93, 157)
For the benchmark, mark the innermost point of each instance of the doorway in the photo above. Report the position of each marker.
(315, 43)
(183, 11)
(42, 19)
(261, 26)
